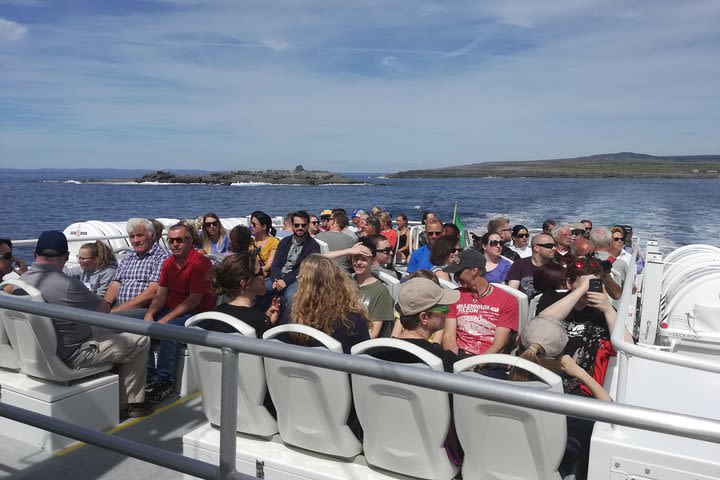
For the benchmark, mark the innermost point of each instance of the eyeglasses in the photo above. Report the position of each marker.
(386, 251)
(455, 250)
(433, 234)
(212, 224)
(618, 239)
(82, 259)
(494, 243)
(172, 240)
(314, 222)
(549, 246)
(581, 263)
(522, 235)
(578, 232)
(6, 256)
(299, 225)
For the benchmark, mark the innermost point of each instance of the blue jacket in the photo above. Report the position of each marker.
(310, 246)
(419, 260)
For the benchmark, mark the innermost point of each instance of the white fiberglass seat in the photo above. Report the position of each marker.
(447, 284)
(253, 417)
(324, 247)
(522, 300)
(414, 238)
(391, 282)
(34, 340)
(8, 356)
(532, 311)
(312, 403)
(404, 426)
(503, 441)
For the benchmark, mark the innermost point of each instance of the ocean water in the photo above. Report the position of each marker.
(674, 212)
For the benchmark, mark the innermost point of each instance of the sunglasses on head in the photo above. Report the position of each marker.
(6, 256)
(549, 246)
(433, 234)
(299, 225)
(494, 243)
(522, 235)
(212, 224)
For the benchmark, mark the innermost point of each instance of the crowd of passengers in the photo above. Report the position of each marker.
(267, 277)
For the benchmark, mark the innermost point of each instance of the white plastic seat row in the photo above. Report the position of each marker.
(404, 426)
(33, 340)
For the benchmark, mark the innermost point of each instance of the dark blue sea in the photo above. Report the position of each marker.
(675, 212)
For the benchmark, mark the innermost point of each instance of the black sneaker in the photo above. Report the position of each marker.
(163, 389)
(137, 410)
(150, 383)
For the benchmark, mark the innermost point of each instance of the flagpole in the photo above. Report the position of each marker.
(455, 212)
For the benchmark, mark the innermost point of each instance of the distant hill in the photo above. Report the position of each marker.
(607, 165)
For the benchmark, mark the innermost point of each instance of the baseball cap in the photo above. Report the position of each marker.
(420, 295)
(469, 258)
(326, 213)
(547, 332)
(357, 212)
(51, 243)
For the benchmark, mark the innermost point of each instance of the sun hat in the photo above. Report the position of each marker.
(547, 332)
(420, 295)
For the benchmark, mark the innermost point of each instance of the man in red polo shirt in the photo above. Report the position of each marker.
(184, 290)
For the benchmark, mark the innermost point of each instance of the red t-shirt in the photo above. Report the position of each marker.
(477, 318)
(193, 276)
(392, 237)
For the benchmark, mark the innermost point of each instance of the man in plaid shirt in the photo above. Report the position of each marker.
(136, 280)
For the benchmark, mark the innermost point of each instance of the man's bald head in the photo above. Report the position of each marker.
(581, 246)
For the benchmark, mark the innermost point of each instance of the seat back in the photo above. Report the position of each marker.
(522, 299)
(404, 426)
(34, 340)
(8, 356)
(447, 284)
(531, 311)
(312, 403)
(324, 247)
(391, 282)
(253, 417)
(504, 441)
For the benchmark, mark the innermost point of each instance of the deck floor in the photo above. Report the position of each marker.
(164, 429)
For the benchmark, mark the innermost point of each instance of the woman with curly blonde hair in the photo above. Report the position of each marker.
(328, 300)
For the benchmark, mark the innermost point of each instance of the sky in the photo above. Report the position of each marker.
(361, 86)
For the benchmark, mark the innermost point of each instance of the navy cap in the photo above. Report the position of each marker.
(51, 243)
(469, 258)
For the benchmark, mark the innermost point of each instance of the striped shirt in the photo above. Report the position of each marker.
(136, 272)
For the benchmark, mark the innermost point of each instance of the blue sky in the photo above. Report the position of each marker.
(367, 85)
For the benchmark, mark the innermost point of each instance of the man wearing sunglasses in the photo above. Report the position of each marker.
(420, 258)
(602, 240)
(289, 255)
(520, 275)
(483, 319)
(501, 226)
(7, 261)
(384, 256)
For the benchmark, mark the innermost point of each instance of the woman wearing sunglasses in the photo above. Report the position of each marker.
(496, 266)
(442, 253)
(520, 241)
(214, 236)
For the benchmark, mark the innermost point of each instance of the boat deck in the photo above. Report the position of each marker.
(163, 429)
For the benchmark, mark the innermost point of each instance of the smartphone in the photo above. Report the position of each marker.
(595, 285)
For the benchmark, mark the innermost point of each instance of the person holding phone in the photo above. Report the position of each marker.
(589, 323)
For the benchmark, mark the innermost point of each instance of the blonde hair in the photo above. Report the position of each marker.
(325, 296)
(191, 229)
(536, 354)
(104, 254)
(206, 241)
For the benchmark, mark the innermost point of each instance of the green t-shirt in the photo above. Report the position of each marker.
(380, 304)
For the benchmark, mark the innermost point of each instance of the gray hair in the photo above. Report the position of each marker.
(134, 223)
(601, 237)
(556, 231)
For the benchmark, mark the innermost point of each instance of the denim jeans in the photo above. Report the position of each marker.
(167, 352)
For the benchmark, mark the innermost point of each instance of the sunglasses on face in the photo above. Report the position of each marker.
(549, 246)
(522, 235)
(618, 239)
(7, 256)
(578, 232)
(299, 225)
(433, 234)
(172, 240)
(314, 222)
(494, 243)
(212, 224)
(386, 251)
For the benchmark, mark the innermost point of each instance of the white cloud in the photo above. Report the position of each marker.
(276, 45)
(11, 31)
(389, 61)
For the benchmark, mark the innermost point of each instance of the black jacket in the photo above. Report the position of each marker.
(310, 246)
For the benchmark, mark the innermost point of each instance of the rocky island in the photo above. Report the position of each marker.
(610, 165)
(297, 176)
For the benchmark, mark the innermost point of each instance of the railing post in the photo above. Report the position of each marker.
(228, 413)
(651, 297)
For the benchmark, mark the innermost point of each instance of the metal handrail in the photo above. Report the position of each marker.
(627, 415)
(33, 241)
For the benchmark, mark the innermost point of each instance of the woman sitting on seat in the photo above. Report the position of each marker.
(403, 232)
(520, 241)
(214, 236)
(241, 239)
(97, 267)
(327, 300)
(443, 252)
(386, 229)
(496, 266)
(264, 233)
(240, 280)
